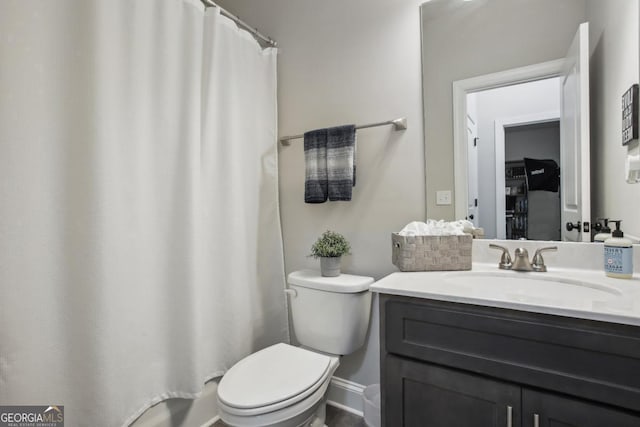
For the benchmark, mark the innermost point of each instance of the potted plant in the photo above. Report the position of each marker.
(329, 248)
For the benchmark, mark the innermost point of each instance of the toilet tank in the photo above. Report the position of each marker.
(330, 314)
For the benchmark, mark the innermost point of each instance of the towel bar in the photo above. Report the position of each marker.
(398, 124)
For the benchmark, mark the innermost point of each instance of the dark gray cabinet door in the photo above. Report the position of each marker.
(419, 394)
(552, 410)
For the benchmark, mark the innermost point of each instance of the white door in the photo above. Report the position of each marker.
(472, 164)
(574, 141)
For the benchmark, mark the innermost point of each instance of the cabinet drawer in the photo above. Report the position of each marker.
(594, 360)
(419, 394)
(546, 410)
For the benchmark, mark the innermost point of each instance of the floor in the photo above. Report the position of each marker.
(335, 418)
(339, 418)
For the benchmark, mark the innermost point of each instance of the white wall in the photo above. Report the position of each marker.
(614, 42)
(499, 104)
(340, 62)
(468, 39)
(539, 141)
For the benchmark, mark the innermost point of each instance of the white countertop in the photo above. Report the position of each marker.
(578, 291)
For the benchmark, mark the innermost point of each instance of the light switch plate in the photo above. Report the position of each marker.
(443, 197)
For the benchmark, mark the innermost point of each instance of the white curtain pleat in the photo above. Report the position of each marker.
(239, 175)
(140, 245)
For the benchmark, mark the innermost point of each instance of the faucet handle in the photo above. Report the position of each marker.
(505, 260)
(538, 261)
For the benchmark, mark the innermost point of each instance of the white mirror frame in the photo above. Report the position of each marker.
(461, 88)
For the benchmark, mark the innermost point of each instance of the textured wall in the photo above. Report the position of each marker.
(614, 41)
(348, 62)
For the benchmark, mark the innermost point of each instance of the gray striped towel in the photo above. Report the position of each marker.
(330, 171)
(340, 161)
(315, 160)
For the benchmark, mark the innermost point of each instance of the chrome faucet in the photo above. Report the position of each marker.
(521, 262)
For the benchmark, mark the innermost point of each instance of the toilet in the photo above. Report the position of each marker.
(284, 385)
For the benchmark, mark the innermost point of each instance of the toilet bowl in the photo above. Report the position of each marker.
(284, 385)
(281, 385)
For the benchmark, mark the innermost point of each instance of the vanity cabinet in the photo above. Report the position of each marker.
(448, 364)
(421, 394)
(548, 409)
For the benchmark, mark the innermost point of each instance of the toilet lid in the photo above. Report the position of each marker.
(273, 375)
(344, 283)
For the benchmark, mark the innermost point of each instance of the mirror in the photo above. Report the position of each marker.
(505, 126)
(466, 40)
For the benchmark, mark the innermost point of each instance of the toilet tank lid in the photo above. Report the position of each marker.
(344, 283)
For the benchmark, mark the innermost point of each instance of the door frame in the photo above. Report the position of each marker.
(461, 88)
(575, 128)
(472, 129)
(500, 126)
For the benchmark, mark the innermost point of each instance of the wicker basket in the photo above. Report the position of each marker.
(431, 253)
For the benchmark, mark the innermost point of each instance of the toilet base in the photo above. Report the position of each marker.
(314, 416)
(319, 417)
(308, 411)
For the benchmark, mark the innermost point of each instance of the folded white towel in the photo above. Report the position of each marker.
(437, 228)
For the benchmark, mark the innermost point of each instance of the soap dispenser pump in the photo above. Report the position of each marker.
(604, 232)
(618, 254)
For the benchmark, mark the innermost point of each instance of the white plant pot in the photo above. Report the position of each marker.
(330, 266)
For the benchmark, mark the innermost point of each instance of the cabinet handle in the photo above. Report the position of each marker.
(536, 420)
(509, 416)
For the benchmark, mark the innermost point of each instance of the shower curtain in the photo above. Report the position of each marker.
(140, 242)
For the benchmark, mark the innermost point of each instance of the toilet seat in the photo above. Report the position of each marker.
(274, 378)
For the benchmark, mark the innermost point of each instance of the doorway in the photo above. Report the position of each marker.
(573, 71)
(524, 111)
(532, 181)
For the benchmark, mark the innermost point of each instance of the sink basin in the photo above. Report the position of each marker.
(530, 287)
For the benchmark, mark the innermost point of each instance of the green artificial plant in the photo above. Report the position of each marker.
(330, 244)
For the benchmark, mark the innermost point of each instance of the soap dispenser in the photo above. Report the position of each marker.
(604, 232)
(618, 254)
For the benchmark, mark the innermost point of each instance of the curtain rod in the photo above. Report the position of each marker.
(398, 124)
(242, 24)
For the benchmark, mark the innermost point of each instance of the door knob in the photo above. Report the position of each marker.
(471, 216)
(571, 226)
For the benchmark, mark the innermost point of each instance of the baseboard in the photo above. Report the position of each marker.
(346, 395)
(343, 394)
(211, 422)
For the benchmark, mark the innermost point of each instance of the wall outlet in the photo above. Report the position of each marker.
(443, 197)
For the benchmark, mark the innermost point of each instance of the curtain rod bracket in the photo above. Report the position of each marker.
(268, 40)
(400, 124)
